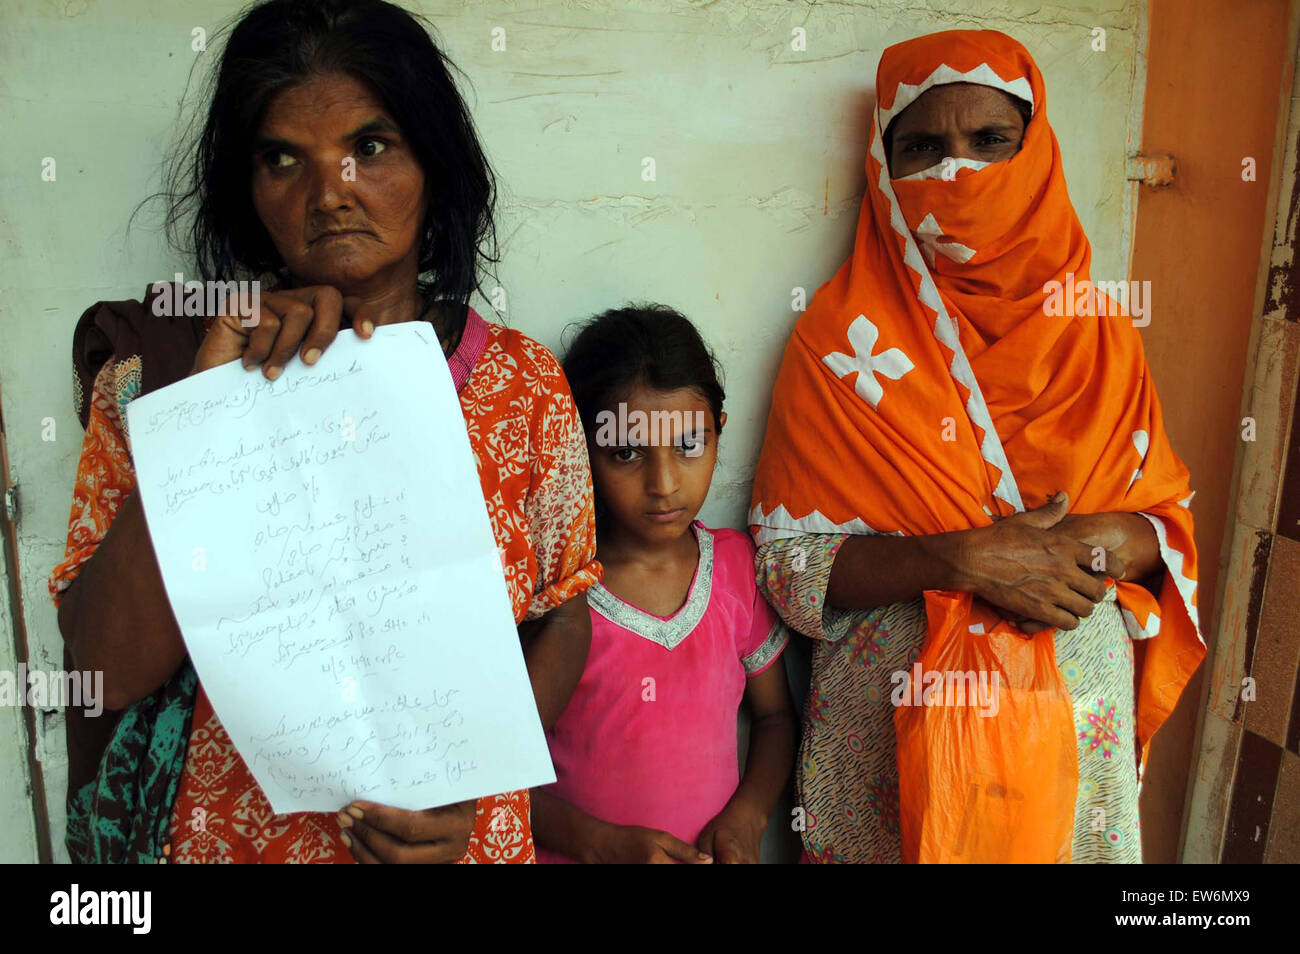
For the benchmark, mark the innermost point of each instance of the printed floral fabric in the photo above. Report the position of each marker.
(847, 773)
(531, 455)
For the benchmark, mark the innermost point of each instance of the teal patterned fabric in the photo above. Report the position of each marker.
(123, 816)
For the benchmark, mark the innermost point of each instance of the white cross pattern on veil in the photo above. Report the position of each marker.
(892, 363)
(930, 236)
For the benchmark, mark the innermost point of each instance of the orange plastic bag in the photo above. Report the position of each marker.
(984, 776)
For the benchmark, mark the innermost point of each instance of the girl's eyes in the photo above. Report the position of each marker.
(378, 144)
(690, 446)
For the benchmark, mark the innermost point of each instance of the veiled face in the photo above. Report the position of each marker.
(961, 120)
(338, 189)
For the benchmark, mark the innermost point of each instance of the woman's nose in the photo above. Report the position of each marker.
(960, 147)
(329, 189)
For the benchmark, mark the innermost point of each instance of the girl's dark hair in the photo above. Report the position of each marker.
(279, 43)
(645, 344)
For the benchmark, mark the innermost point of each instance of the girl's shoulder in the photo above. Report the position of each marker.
(729, 546)
(723, 533)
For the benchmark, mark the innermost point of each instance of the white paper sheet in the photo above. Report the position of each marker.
(326, 548)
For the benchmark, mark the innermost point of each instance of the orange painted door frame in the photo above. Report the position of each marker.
(1218, 81)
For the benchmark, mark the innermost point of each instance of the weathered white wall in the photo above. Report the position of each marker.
(18, 841)
(759, 153)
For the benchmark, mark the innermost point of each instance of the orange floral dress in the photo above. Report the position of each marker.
(532, 461)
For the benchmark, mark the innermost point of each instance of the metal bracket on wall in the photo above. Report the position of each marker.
(1155, 169)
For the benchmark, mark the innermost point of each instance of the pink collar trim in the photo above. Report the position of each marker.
(472, 342)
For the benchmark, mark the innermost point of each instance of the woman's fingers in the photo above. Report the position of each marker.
(1087, 586)
(1055, 602)
(303, 321)
(1086, 563)
(224, 342)
(1046, 516)
(1038, 602)
(1114, 565)
(392, 850)
(1082, 583)
(1028, 626)
(327, 306)
(1074, 603)
(448, 823)
(1097, 560)
(1079, 583)
(295, 319)
(1061, 602)
(1092, 566)
(359, 849)
(1045, 577)
(386, 848)
(1051, 603)
(397, 836)
(1053, 615)
(359, 315)
(677, 849)
(264, 332)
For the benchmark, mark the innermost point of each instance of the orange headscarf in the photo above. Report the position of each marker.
(930, 387)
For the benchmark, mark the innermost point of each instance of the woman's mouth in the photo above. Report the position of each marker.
(338, 236)
(665, 516)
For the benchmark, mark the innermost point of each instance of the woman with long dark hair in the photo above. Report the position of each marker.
(339, 165)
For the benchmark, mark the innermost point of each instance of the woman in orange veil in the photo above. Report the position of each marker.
(958, 455)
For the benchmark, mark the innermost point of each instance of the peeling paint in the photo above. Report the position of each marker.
(1283, 284)
(796, 210)
(1258, 575)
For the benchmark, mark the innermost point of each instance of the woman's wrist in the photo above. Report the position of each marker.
(875, 570)
(946, 554)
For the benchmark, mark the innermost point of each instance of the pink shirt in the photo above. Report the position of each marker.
(649, 736)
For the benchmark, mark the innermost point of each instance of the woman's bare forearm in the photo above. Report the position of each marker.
(1039, 564)
(871, 571)
(115, 617)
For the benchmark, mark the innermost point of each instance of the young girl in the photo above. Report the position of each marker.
(646, 752)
